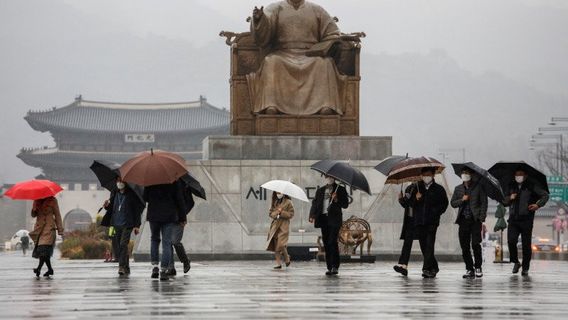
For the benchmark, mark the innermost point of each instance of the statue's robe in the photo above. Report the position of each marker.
(287, 79)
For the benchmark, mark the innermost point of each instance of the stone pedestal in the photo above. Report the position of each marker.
(233, 222)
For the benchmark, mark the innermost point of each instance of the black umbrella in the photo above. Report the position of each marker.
(107, 172)
(490, 184)
(343, 172)
(194, 186)
(389, 163)
(505, 172)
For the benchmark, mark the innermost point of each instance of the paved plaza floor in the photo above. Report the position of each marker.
(252, 290)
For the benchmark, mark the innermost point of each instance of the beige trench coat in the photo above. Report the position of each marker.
(280, 228)
(48, 219)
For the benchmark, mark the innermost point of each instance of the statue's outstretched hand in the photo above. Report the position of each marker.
(257, 13)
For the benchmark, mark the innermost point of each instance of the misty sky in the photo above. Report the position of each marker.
(425, 65)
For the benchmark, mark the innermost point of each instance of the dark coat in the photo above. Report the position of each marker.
(529, 194)
(165, 203)
(334, 210)
(133, 207)
(434, 202)
(408, 222)
(477, 201)
(188, 201)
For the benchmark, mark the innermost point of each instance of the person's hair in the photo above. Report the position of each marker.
(520, 169)
(275, 198)
(428, 169)
(466, 170)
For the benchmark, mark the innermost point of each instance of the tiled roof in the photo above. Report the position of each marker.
(53, 157)
(130, 117)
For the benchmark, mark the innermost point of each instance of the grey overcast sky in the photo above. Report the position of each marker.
(430, 68)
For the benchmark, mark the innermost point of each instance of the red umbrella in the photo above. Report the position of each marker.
(33, 190)
(152, 168)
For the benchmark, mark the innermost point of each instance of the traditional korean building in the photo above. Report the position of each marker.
(86, 130)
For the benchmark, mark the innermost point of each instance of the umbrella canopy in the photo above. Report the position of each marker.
(287, 188)
(153, 168)
(501, 224)
(343, 172)
(107, 172)
(409, 170)
(387, 165)
(33, 190)
(505, 172)
(490, 184)
(194, 185)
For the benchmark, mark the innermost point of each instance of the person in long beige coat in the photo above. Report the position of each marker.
(48, 220)
(281, 212)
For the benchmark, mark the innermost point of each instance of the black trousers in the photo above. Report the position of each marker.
(469, 234)
(406, 246)
(524, 229)
(427, 240)
(329, 235)
(123, 238)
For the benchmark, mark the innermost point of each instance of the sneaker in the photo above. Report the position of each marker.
(172, 272)
(525, 272)
(328, 273)
(49, 273)
(478, 272)
(186, 266)
(155, 273)
(469, 274)
(164, 275)
(334, 271)
(516, 267)
(400, 269)
(277, 267)
(121, 271)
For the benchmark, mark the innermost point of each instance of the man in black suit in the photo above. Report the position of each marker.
(326, 213)
(428, 202)
(523, 198)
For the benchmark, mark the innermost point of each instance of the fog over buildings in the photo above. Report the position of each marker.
(478, 74)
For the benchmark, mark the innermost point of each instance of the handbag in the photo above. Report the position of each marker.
(36, 243)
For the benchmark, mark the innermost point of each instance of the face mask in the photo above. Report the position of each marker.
(279, 195)
(329, 181)
(465, 177)
(120, 185)
(427, 179)
(520, 179)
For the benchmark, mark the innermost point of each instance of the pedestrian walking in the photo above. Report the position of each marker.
(48, 220)
(24, 243)
(123, 214)
(408, 233)
(326, 213)
(471, 201)
(178, 230)
(281, 212)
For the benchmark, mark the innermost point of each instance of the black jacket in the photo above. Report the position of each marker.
(165, 203)
(408, 222)
(188, 201)
(133, 206)
(477, 201)
(320, 206)
(528, 194)
(429, 209)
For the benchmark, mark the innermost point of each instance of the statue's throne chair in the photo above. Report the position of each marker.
(246, 57)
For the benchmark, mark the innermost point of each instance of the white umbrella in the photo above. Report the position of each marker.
(287, 188)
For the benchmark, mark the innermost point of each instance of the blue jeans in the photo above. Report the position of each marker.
(165, 230)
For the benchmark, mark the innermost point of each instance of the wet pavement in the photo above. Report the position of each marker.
(252, 290)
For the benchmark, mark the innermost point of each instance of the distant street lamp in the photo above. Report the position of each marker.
(559, 147)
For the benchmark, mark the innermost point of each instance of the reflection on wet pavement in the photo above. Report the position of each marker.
(252, 290)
